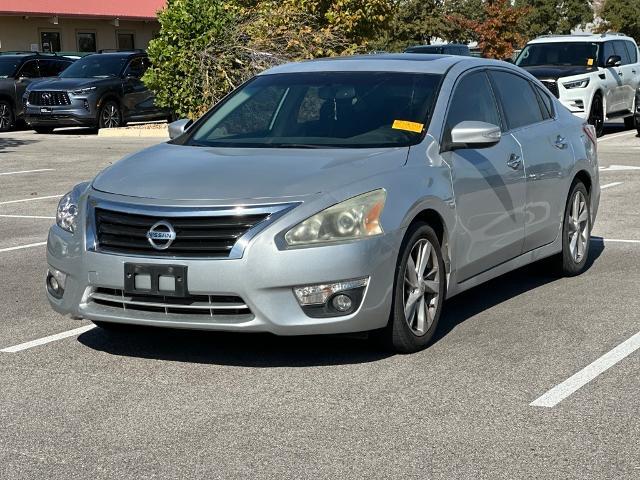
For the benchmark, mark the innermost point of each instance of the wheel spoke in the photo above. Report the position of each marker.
(410, 274)
(431, 286)
(572, 244)
(410, 306)
(424, 259)
(421, 315)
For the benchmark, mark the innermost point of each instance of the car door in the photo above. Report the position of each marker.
(489, 194)
(611, 79)
(627, 92)
(138, 99)
(546, 153)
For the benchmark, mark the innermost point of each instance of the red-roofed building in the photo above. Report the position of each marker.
(77, 25)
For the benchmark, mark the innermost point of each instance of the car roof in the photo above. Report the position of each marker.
(400, 62)
(587, 38)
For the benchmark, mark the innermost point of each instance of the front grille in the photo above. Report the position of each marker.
(211, 236)
(552, 86)
(49, 99)
(221, 306)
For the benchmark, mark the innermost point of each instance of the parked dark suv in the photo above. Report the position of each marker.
(102, 90)
(17, 71)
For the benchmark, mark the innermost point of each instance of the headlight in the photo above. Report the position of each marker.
(582, 83)
(82, 91)
(68, 211)
(358, 217)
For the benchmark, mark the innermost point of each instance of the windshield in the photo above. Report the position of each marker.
(322, 110)
(578, 54)
(8, 68)
(95, 66)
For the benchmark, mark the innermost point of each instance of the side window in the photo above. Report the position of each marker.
(136, 67)
(633, 51)
(519, 101)
(472, 100)
(621, 50)
(29, 69)
(607, 51)
(547, 103)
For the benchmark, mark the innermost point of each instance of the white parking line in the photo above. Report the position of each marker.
(584, 376)
(613, 240)
(28, 171)
(618, 168)
(609, 185)
(618, 135)
(49, 339)
(20, 247)
(26, 216)
(30, 199)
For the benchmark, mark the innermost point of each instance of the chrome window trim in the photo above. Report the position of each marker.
(274, 211)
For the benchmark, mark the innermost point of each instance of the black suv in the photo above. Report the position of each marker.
(101, 90)
(17, 71)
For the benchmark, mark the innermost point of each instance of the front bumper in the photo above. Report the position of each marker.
(80, 113)
(263, 278)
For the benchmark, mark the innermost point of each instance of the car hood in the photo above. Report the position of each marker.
(174, 172)
(68, 83)
(555, 72)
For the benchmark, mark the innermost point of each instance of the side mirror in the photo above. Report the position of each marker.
(470, 134)
(614, 61)
(178, 127)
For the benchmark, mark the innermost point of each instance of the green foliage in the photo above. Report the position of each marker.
(187, 27)
(621, 16)
(553, 17)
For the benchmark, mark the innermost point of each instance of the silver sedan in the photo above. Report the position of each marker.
(339, 195)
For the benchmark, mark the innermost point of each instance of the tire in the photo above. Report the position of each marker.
(596, 114)
(576, 226)
(630, 122)
(410, 336)
(110, 115)
(7, 116)
(42, 130)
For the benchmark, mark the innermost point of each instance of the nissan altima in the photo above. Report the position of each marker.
(330, 196)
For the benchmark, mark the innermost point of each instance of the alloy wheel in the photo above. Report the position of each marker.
(578, 228)
(5, 116)
(421, 288)
(110, 116)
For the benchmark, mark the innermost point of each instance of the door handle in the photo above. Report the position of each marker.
(620, 73)
(514, 161)
(561, 142)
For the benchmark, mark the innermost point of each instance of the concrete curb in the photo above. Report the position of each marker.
(134, 132)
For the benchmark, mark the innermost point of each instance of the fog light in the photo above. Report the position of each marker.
(319, 294)
(86, 105)
(56, 281)
(342, 303)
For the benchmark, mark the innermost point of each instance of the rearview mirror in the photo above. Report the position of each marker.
(614, 61)
(471, 134)
(178, 127)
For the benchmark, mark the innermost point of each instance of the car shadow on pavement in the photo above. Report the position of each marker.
(467, 304)
(8, 144)
(268, 351)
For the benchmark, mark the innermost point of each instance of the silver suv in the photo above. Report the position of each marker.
(330, 196)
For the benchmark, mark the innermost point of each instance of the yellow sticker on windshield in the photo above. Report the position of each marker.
(408, 126)
(590, 62)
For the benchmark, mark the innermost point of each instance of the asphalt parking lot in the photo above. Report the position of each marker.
(496, 396)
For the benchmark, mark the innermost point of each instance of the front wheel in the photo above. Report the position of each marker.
(7, 117)
(419, 291)
(110, 115)
(576, 231)
(596, 115)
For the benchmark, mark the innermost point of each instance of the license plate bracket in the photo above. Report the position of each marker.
(46, 110)
(145, 279)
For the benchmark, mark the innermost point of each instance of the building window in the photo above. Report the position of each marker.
(50, 41)
(86, 41)
(126, 41)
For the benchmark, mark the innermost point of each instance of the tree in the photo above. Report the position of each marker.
(553, 17)
(621, 16)
(500, 31)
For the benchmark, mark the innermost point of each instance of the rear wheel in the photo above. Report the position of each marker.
(43, 129)
(419, 292)
(110, 115)
(7, 117)
(576, 231)
(596, 115)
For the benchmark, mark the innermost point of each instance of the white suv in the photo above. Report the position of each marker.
(594, 76)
